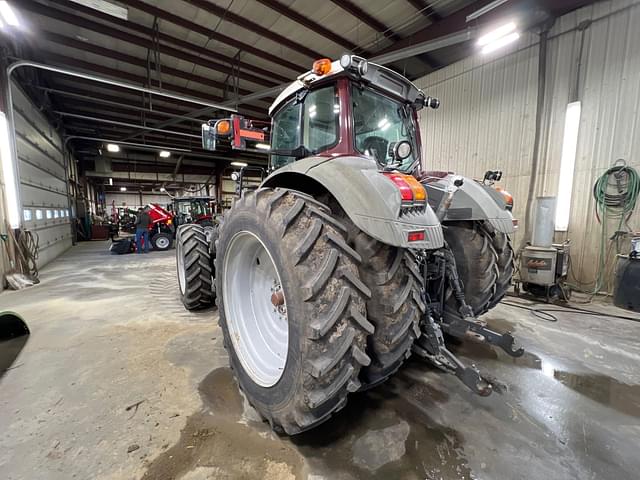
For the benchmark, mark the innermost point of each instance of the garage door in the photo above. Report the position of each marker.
(43, 188)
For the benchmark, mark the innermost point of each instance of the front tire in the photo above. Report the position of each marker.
(195, 276)
(161, 241)
(297, 376)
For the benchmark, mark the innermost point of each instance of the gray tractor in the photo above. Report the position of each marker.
(347, 257)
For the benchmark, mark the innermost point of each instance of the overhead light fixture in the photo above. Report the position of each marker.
(567, 165)
(263, 146)
(486, 9)
(496, 34)
(105, 7)
(239, 164)
(162, 189)
(112, 147)
(165, 154)
(8, 15)
(501, 42)
(123, 189)
(111, 181)
(9, 174)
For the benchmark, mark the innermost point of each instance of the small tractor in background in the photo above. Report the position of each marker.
(348, 257)
(197, 210)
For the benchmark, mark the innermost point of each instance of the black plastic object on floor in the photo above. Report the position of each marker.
(13, 337)
(626, 293)
(124, 245)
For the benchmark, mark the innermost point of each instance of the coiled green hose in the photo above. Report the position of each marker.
(616, 194)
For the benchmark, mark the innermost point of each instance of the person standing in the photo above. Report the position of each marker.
(143, 220)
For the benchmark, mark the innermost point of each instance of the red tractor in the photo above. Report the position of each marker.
(161, 229)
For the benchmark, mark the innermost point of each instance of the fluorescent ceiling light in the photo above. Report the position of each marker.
(162, 189)
(112, 147)
(105, 7)
(111, 181)
(263, 146)
(8, 174)
(8, 15)
(238, 164)
(123, 189)
(567, 165)
(496, 34)
(165, 154)
(501, 42)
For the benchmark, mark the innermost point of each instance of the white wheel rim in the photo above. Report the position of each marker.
(259, 330)
(162, 243)
(181, 271)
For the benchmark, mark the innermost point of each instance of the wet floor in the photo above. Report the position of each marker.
(387, 432)
(569, 407)
(378, 435)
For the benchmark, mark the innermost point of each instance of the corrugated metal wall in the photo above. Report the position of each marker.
(43, 186)
(487, 117)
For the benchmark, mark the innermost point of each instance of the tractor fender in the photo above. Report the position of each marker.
(370, 200)
(471, 201)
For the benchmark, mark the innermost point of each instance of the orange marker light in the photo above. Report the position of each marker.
(419, 193)
(322, 66)
(223, 127)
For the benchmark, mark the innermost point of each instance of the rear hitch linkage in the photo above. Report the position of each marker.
(469, 324)
(431, 344)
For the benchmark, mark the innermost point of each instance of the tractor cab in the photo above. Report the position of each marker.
(193, 210)
(346, 107)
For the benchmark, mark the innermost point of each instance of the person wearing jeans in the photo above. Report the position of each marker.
(143, 220)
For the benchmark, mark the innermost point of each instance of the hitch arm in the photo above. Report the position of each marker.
(503, 340)
(431, 346)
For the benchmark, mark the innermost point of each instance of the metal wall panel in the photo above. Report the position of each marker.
(487, 117)
(43, 186)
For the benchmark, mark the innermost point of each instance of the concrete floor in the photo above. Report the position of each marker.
(117, 381)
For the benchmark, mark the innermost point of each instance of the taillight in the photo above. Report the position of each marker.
(416, 236)
(412, 192)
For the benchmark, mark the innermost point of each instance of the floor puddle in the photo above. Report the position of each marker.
(599, 388)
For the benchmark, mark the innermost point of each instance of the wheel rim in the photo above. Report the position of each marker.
(255, 309)
(181, 272)
(162, 243)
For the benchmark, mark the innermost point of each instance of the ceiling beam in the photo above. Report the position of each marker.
(89, 99)
(207, 32)
(55, 58)
(364, 17)
(253, 27)
(145, 42)
(132, 60)
(426, 10)
(315, 27)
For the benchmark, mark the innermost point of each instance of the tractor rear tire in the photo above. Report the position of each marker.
(506, 266)
(395, 307)
(195, 277)
(477, 264)
(161, 241)
(298, 379)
